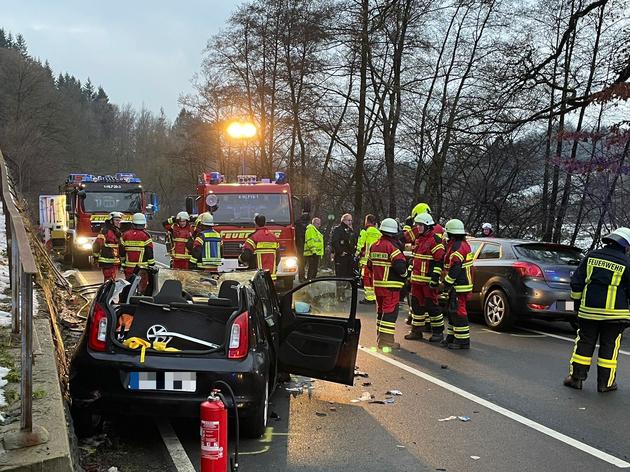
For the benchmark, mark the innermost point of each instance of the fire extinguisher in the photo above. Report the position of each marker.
(214, 431)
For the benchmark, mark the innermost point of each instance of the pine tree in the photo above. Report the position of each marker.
(20, 45)
(3, 39)
(101, 96)
(88, 91)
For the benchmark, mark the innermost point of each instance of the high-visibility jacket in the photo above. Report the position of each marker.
(136, 248)
(601, 285)
(313, 241)
(428, 258)
(388, 264)
(263, 248)
(458, 262)
(106, 246)
(180, 237)
(206, 251)
(367, 237)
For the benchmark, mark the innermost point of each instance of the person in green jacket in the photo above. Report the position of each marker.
(313, 248)
(368, 236)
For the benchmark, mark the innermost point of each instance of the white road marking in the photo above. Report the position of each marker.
(82, 280)
(503, 411)
(161, 264)
(564, 338)
(175, 449)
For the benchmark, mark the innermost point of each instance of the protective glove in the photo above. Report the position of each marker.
(434, 284)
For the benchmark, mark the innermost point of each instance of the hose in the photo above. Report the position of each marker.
(217, 384)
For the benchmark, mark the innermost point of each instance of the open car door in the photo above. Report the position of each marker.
(319, 332)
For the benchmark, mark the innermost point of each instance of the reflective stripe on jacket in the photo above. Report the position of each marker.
(136, 248)
(388, 264)
(264, 246)
(207, 249)
(458, 261)
(367, 237)
(313, 241)
(180, 237)
(601, 283)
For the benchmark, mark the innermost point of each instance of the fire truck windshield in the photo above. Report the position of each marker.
(241, 208)
(104, 202)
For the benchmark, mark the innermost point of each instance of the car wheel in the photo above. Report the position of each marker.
(86, 422)
(496, 311)
(254, 426)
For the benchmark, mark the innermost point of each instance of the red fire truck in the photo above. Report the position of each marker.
(89, 200)
(234, 206)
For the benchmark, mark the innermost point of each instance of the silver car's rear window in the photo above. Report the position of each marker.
(549, 254)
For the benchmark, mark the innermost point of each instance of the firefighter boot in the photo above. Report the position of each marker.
(459, 344)
(408, 322)
(386, 342)
(573, 382)
(606, 388)
(436, 338)
(415, 334)
(427, 324)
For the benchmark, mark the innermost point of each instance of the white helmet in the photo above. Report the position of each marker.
(183, 215)
(455, 226)
(621, 236)
(139, 219)
(115, 214)
(486, 226)
(389, 226)
(206, 219)
(424, 218)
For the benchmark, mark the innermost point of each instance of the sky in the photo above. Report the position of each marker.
(141, 52)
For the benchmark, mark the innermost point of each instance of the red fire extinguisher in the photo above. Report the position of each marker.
(214, 424)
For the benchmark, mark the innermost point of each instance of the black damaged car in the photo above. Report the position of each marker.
(187, 330)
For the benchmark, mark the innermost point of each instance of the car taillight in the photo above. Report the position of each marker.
(239, 337)
(527, 269)
(536, 306)
(98, 329)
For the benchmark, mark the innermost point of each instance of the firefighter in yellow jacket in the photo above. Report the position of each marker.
(368, 236)
(313, 247)
(600, 288)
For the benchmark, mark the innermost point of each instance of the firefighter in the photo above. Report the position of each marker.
(389, 269)
(600, 288)
(458, 262)
(428, 259)
(106, 246)
(368, 236)
(180, 231)
(487, 231)
(206, 247)
(262, 249)
(313, 247)
(136, 246)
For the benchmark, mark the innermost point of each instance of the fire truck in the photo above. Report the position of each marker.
(234, 207)
(88, 201)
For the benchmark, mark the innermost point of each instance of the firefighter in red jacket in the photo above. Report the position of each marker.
(136, 246)
(106, 247)
(180, 231)
(458, 262)
(389, 269)
(428, 259)
(262, 249)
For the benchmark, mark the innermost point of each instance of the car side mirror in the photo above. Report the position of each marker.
(190, 201)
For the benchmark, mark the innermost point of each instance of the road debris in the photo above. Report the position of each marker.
(360, 373)
(366, 384)
(400, 446)
(396, 393)
(463, 418)
(582, 408)
(444, 366)
(366, 396)
(475, 458)
(274, 416)
(319, 413)
(112, 469)
(333, 408)
(449, 418)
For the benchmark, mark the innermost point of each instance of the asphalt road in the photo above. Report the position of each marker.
(508, 384)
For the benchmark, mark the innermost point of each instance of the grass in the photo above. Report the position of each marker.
(39, 394)
(11, 396)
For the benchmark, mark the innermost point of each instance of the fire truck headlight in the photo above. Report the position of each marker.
(288, 264)
(81, 240)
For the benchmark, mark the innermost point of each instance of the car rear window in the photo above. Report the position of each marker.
(549, 253)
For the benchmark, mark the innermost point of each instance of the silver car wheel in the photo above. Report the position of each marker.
(495, 309)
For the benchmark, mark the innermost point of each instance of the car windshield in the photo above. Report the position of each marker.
(104, 202)
(549, 254)
(241, 208)
(199, 284)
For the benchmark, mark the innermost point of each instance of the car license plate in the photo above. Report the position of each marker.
(569, 306)
(167, 381)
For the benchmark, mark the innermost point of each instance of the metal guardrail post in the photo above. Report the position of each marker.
(27, 352)
(14, 269)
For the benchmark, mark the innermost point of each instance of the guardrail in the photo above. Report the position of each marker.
(22, 270)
